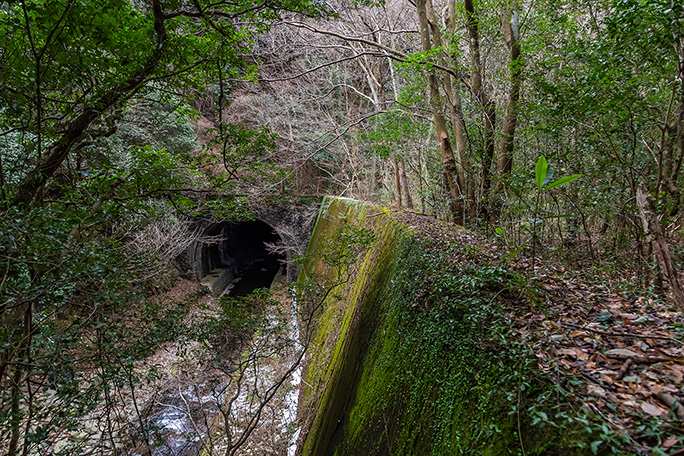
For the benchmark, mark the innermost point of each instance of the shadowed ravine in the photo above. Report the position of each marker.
(182, 418)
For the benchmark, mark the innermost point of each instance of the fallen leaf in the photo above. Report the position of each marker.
(565, 362)
(567, 352)
(652, 375)
(673, 351)
(652, 410)
(643, 390)
(653, 387)
(607, 372)
(597, 390)
(605, 378)
(670, 442)
(581, 355)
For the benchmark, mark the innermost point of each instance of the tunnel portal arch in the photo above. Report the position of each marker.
(233, 257)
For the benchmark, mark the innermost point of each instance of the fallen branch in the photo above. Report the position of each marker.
(620, 334)
(640, 359)
(671, 402)
(624, 369)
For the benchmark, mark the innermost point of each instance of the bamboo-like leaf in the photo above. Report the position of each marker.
(540, 171)
(563, 181)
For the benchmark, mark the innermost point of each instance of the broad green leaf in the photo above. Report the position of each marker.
(549, 175)
(540, 171)
(563, 181)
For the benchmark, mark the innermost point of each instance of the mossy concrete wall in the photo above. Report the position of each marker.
(347, 322)
(413, 356)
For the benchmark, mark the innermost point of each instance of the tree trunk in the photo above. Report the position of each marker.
(452, 94)
(458, 119)
(22, 370)
(15, 412)
(510, 28)
(406, 187)
(487, 104)
(679, 119)
(397, 181)
(448, 160)
(661, 249)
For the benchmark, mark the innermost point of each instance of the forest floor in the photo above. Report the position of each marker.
(623, 352)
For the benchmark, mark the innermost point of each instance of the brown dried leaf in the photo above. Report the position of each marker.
(670, 442)
(676, 375)
(653, 410)
(581, 355)
(606, 378)
(652, 375)
(565, 363)
(630, 404)
(567, 352)
(596, 390)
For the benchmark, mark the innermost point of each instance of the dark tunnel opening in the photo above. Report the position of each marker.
(236, 260)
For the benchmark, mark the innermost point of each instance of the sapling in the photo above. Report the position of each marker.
(543, 175)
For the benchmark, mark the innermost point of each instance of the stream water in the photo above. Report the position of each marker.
(178, 427)
(292, 397)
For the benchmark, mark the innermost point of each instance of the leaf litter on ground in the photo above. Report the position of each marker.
(627, 349)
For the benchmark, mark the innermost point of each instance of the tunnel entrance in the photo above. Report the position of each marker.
(233, 258)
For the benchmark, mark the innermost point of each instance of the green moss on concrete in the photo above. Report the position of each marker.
(342, 331)
(416, 355)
